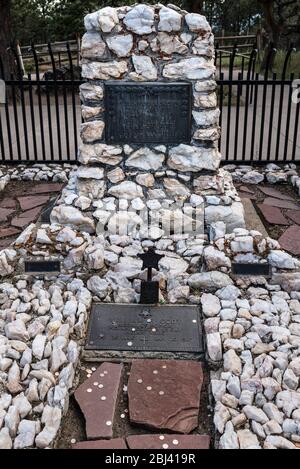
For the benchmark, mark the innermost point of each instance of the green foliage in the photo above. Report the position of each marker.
(42, 21)
(53, 20)
(233, 16)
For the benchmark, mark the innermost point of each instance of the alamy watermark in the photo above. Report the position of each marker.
(2, 92)
(296, 92)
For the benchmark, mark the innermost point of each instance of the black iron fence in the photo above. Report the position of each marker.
(259, 108)
(40, 120)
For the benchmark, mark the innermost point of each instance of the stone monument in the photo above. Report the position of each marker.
(149, 155)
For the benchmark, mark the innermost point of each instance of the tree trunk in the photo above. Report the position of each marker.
(5, 38)
(273, 28)
(194, 6)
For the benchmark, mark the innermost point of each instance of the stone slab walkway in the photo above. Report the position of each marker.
(162, 395)
(20, 205)
(280, 211)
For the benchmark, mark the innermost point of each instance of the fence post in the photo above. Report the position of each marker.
(20, 58)
(78, 48)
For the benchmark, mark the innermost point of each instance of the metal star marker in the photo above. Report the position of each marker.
(150, 261)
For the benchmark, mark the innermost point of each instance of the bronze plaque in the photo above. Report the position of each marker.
(145, 328)
(148, 113)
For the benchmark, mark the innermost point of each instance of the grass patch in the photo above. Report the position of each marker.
(293, 64)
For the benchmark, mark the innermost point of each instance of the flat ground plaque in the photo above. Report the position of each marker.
(145, 328)
(252, 269)
(146, 113)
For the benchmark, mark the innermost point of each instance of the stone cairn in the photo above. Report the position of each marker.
(160, 44)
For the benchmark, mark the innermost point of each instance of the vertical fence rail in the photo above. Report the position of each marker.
(259, 119)
(40, 120)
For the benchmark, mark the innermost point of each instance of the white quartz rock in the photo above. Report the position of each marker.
(12, 420)
(280, 442)
(290, 380)
(22, 404)
(254, 413)
(38, 346)
(73, 217)
(253, 177)
(221, 417)
(232, 362)
(145, 159)
(211, 305)
(98, 286)
(176, 189)
(104, 70)
(116, 175)
(124, 295)
(172, 266)
(195, 68)
(170, 20)
(248, 440)
(229, 439)
(107, 19)
(144, 68)
(42, 237)
(232, 216)
(140, 19)
(281, 260)
(218, 388)
(5, 439)
(16, 330)
(242, 244)
(295, 366)
(215, 259)
(121, 45)
(124, 223)
(217, 230)
(91, 21)
(94, 257)
(288, 401)
(197, 23)
(214, 346)
(91, 92)
(26, 434)
(207, 118)
(209, 280)
(92, 45)
(171, 44)
(92, 131)
(126, 190)
(191, 158)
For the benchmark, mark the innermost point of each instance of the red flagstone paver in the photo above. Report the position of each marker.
(245, 195)
(281, 203)
(165, 394)
(30, 202)
(290, 240)
(7, 232)
(294, 215)
(5, 243)
(5, 213)
(270, 191)
(273, 215)
(25, 218)
(8, 203)
(97, 398)
(45, 188)
(171, 442)
(246, 189)
(118, 443)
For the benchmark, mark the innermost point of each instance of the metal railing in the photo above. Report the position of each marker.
(40, 120)
(259, 110)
